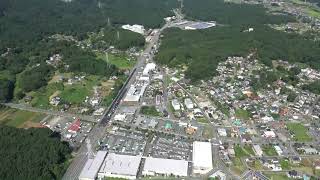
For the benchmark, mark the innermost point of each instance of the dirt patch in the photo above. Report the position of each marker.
(30, 124)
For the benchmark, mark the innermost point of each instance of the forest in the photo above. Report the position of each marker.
(229, 13)
(203, 50)
(32, 154)
(28, 21)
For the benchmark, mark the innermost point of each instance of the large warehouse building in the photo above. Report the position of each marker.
(167, 167)
(202, 157)
(120, 166)
(92, 166)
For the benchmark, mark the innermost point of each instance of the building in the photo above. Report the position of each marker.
(278, 150)
(175, 104)
(75, 126)
(120, 166)
(167, 167)
(269, 134)
(92, 166)
(219, 174)
(149, 67)
(202, 157)
(222, 132)
(120, 117)
(134, 94)
(188, 103)
(257, 150)
(134, 28)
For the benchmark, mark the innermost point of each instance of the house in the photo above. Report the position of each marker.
(175, 104)
(278, 150)
(222, 132)
(317, 164)
(269, 134)
(293, 174)
(75, 126)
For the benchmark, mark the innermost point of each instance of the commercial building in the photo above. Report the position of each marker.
(134, 94)
(134, 28)
(167, 167)
(175, 104)
(149, 67)
(188, 103)
(120, 166)
(92, 166)
(257, 150)
(202, 157)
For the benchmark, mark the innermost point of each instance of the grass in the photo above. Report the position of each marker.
(238, 166)
(242, 114)
(240, 152)
(17, 118)
(248, 149)
(120, 60)
(149, 111)
(269, 150)
(208, 132)
(285, 164)
(75, 94)
(277, 176)
(203, 120)
(299, 131)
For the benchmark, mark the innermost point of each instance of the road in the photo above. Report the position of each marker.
(50, 112)
(98, 131)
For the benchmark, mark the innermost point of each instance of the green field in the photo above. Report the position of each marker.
(149, 111)
(241, 152)
(120, 60)
(269, 150)
(242, 114)
(277, 176)
(18, 118)
(74, 93)
(203, 120)
(299, 131)
(285, 164)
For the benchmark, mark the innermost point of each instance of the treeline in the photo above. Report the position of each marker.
(313, 87)
(231, 13)
(119, 38)
(32, 154)
(28, 21)
(202, 50)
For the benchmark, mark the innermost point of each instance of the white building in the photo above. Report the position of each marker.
(202, 157)
(175, 104)
(120, 166)
(222, 132)
(120, 117)
(134, 28)
(92, 166)
(149, 67)
(167, 167)
(188, 103)
(257, 150)
(134, 94)
(278, 150)
(269, 134)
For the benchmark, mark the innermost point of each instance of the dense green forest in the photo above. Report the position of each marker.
(231, 13)
(203, 50)
(26, 26)
(31, 20)
(33, 154)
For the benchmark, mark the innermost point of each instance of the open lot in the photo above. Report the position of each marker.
(299, 132)
(121, 61)
(20, 119)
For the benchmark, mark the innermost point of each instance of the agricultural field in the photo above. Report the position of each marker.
(299, 132)
(20, 119)
(121, 61)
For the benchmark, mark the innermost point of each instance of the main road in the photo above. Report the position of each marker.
(82, 155)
